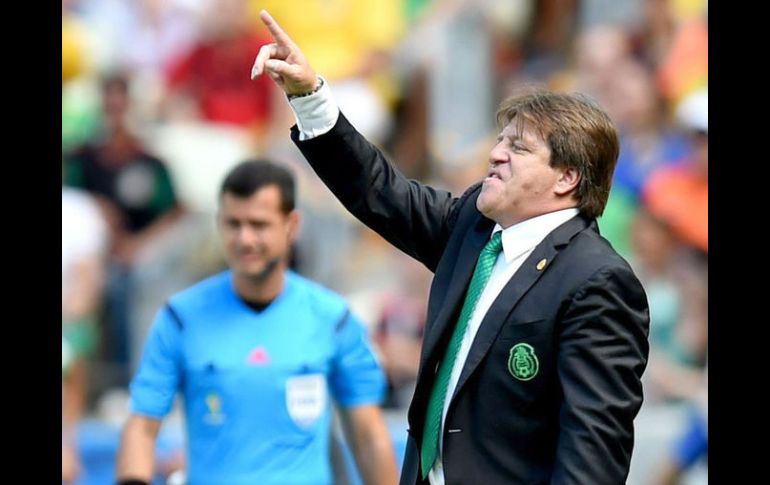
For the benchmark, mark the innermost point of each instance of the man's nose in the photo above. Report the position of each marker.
(248, 235)
(497, 154)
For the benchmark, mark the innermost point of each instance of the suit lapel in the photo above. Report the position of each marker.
(526, 276)
(473, 243)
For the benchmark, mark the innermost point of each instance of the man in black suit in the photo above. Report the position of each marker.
(536, 334)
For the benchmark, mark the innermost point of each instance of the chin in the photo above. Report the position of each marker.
(483, 205)
(262, 271)
(248, 270)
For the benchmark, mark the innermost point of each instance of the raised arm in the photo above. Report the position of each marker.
(412, 216)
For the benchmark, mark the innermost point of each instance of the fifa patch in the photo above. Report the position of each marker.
(214, 416)
(306, 398)
(522, 362)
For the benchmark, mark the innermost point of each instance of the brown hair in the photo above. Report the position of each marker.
(251, 175)
(578, 132)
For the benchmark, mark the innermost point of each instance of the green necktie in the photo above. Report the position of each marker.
(432, 428)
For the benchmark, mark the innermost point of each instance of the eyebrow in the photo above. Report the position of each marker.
(514, 139)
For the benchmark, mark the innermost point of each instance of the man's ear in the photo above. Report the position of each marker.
(567, 181)
(293, 226)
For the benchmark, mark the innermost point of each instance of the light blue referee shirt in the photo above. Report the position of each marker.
(256, 385)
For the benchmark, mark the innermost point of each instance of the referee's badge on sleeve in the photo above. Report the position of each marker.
(306, 398)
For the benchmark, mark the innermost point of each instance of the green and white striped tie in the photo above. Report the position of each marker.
(484, 265)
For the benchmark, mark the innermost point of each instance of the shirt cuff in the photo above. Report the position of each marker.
(316, 114)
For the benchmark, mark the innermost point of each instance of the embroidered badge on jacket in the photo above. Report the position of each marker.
(522, 362)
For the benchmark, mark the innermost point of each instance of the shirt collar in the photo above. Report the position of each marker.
(520, 238)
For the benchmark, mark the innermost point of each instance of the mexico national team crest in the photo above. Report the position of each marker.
(522, 362)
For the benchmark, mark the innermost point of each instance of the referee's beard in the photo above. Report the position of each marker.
(267, 271)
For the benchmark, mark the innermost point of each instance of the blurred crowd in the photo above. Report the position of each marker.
(157, 105)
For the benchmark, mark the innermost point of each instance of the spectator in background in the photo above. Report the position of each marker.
(207, 82)
(136, 193)
(680, 194)
(646, 141)
(399, 329)
(84, 252)
(254, 351)
(678, 197)
(144, 37)
(75, 58)
(147, 35)
(646, 144)
(684, 67)
(677, 347)
(691, 444)
(78, 107)
(597, 51)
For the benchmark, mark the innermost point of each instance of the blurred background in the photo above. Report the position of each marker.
(157, 105)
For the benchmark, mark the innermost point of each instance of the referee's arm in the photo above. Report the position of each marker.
(136, 457)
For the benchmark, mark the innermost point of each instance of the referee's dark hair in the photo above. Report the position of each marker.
(251, 175)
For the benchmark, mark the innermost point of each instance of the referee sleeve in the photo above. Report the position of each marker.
(357, 378)
(160, 371)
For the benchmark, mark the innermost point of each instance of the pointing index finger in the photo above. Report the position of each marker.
(277, 32)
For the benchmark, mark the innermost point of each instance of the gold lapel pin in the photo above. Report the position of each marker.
(541, 264)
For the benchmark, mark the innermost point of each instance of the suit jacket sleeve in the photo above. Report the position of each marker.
(603, 350)
(415, 218)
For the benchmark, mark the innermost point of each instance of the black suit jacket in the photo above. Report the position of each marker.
(574, 301)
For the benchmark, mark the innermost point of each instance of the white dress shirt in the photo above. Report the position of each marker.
(317, 114)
